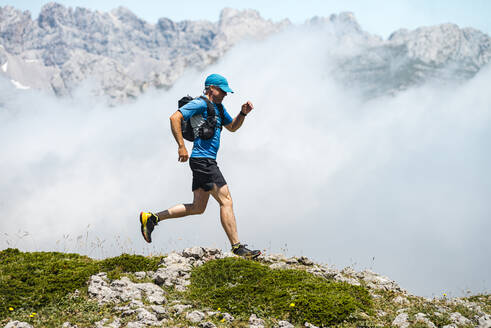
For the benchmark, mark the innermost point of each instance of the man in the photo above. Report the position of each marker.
(207, 178)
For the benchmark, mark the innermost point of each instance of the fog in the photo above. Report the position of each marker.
(397, 184)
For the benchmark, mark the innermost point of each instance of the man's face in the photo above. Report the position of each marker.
(217, 94)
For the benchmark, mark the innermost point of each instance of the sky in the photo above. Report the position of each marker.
(399, 185)
(377, 16)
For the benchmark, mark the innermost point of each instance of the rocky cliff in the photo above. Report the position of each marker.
(126, 55)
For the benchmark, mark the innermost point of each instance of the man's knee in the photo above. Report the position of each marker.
(226, 200)
(198, 208)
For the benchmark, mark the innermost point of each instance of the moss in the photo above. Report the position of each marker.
(31, 281)
(243, 287)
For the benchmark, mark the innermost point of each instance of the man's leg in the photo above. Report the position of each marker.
(149, 220)
(198, 206)
(227, 217)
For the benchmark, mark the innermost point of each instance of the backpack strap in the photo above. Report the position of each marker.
(211, 110)
(222, 115)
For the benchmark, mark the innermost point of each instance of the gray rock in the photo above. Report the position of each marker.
(292, 260)
(459, 319)
(271, 258)
(207, 324)
(194, 252)
(401, 321)
(99, 288)
(115, 323)
(17, 324)
(145, 316)
(135, 324)
(400, 300)
(279, 265)
(160, 311)
(124, 290)
(140, 275)
(255, 321)
(309, 325)
(485, 321)
(67, 324)
(284, 324)
(421, 317)
(179, 308)
(228, 317)
(195, 316)
(174, 271)
(376, 281)
(305, 261)
(154, 293)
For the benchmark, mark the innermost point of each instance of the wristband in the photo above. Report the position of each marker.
(240, 113)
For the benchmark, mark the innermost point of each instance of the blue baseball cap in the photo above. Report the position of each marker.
(219, 81)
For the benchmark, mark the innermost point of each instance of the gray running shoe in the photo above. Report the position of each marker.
(243, 251)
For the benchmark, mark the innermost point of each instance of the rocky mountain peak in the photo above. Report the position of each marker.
(64, 46)
(440, 44)
(54, 14)
(346, 20)
(127, 17)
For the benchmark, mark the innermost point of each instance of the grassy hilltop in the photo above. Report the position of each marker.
(48, 289)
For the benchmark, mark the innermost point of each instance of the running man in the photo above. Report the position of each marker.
(207, 178)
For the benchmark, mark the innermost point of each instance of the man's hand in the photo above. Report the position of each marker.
(183, 154)
(247, 107)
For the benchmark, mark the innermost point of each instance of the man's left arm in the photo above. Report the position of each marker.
(239, 119)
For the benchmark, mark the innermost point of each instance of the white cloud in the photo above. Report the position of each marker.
(314, 170)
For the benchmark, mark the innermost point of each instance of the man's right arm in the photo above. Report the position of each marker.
(175, 125)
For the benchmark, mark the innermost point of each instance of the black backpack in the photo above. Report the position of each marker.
(206, 130)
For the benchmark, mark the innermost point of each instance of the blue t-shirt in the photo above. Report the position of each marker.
(205, 148)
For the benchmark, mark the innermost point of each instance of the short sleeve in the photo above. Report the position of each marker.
(227, 119)
(195, 106)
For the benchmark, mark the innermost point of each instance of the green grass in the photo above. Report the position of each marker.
(32, 281)
(243, 287)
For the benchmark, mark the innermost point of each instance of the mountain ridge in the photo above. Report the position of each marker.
(127, 55)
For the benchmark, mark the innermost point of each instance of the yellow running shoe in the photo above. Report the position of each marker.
(148, 222)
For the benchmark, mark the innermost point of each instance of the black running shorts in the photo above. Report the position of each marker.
(206, 173)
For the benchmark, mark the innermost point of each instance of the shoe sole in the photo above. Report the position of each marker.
(144, 229)
(249, 257)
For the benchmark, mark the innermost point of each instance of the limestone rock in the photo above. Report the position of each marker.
(207, 324)
(284, 324)
(179, 308)
(485, 321)
(401, 320)
(255, 322)
(421, 317)
(279, 265)
(459, 319)
(17, 324)
(160, 311)
(195, 316)
(305, 261)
